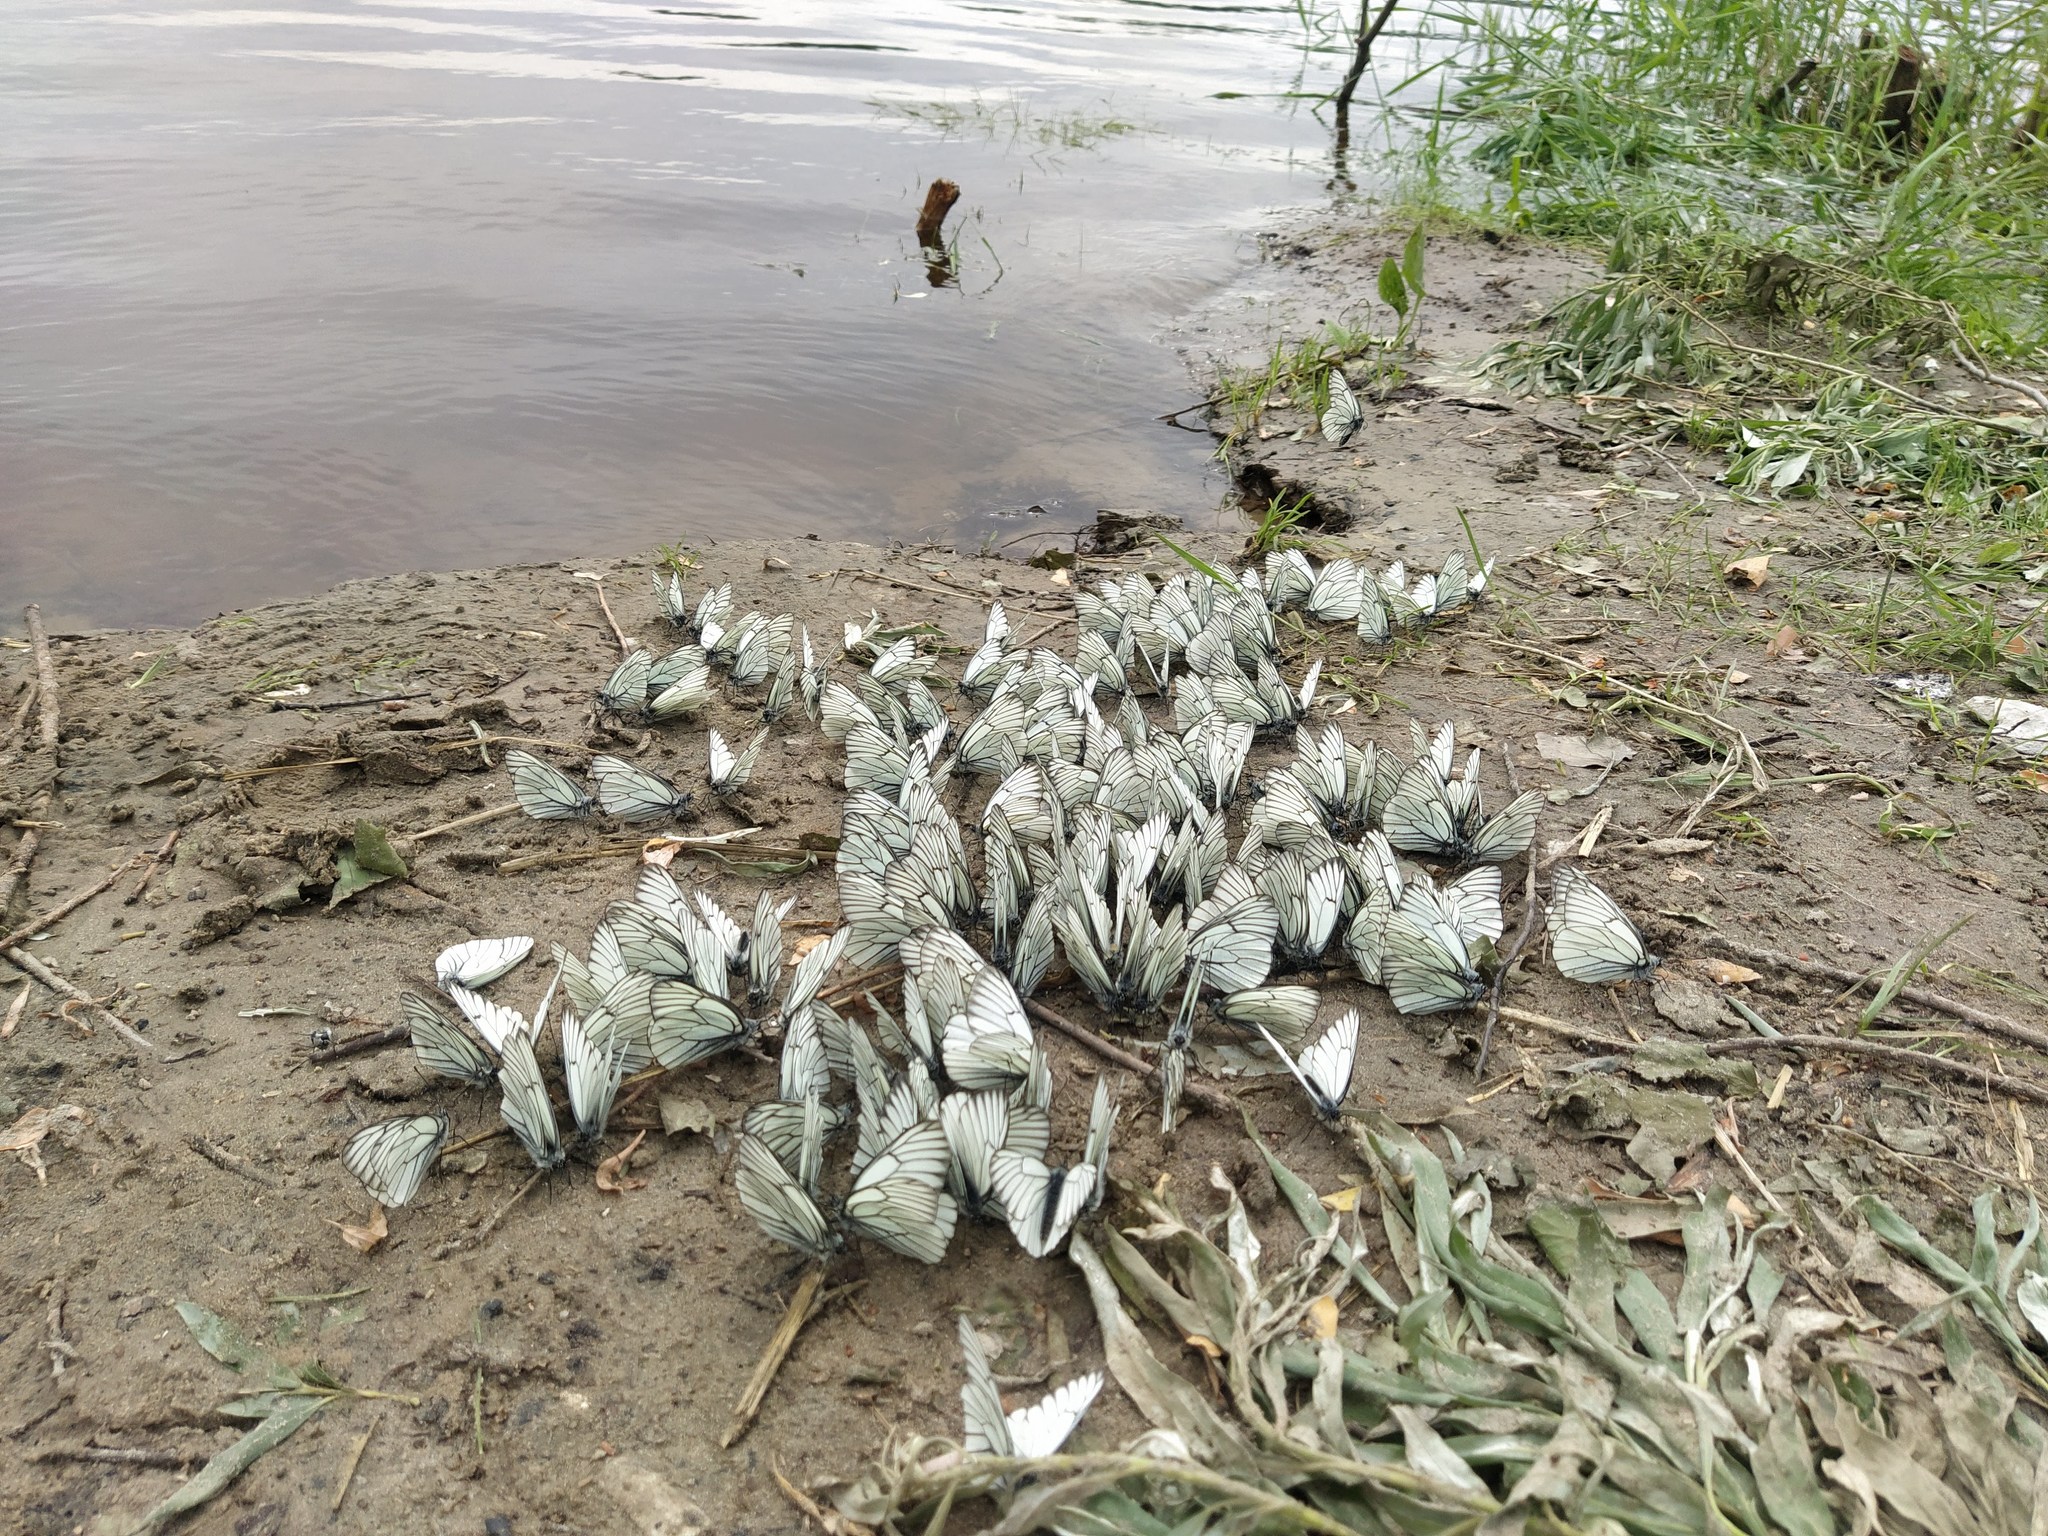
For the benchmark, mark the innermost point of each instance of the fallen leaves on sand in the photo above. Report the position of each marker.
(1580, 752)
(1726, 973)
(367, 1237)
(1750, 573)
(368, 860)
(612, 1177)
(26, 1135)
(686, 1115)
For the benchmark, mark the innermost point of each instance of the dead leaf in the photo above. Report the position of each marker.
(659, 854)
(691, 1115)
(805, 945)
(1750, 573)
(612, 1177)
(1726, 973)
(1677, 845)
(1343, 1201)
(1061, 579)
(2022, 1142)
(1784, 640)
(1206, 1345)
(1736, 676)
(364, 1239)
(1578, 752)
(1321, 1322)
(26, 1134)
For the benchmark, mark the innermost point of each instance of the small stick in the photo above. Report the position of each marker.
(24, 853)
(119, 1456)
(355, 1045)
(49, 978)
(800, 1499)
(619, 634)
(1990, 1023)
(847, 988)
(1727, 1136)
(155, 861)
(1941, 1066)
(1544, 1022)
(1213, 1099)
(1500, 977)
(465, 821)
(15, 1010)
(28, 702)
(46, 676)
(803, 1304)
(1980, 371)
(348, 1467)
(228, 1162)
(475, 1239)
(64, 908)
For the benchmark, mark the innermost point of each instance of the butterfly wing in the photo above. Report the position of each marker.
(988, 1432)
(1043, 1428)
(523, 1104)
(779, 1204)
(444, 1049)
(690, 1025)
(1591, 939)
(543, 791)
(392, 1158)
(900, 1200)
(1341, 417)
(479, 962)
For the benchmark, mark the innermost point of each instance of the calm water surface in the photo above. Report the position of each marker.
(298, 294)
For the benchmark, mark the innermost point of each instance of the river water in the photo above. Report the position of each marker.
(293, 295)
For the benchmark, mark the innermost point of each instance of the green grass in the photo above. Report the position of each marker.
(1014, 121)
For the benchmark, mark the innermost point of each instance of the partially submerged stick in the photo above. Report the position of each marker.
(46, 676)
(65, 907)
(804, 1304)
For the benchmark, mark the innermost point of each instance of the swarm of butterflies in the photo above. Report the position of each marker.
(1104, 842)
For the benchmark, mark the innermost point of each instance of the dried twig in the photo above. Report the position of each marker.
(23, 960)
(1820, 970)
(1507, 963)
(155, 862)
(355, 1045)
(1212, 1099)
(24, 853)
(46, 676)
(1894, 1055)
(456, 1244)
(114, 1455)
(65, 907)
(228, 1162)
(459, 823)
(603, 602)
(1978, 370)
(348, 1467)
(804, 1304)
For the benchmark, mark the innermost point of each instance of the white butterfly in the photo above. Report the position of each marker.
(1095, 1153)
(977, 1125)
(781, 691)
(713, 609)
(810, 973)
(1233, 940)
(625, 691)
(690, 1025)
(443, 1048)
(634, 794)
(593, 1065)
(780, 1204)
(523, 1103)
(1423, 961)
(545, 792)
(494, 1021)
(729, 774)
(989, 1043)
(479, 962)
(1283, 1012)
(900, 1200)
(1591, 938)
(1342, 416)
(392, 1158)
(1041, 1203)
(680, 684)
(764, 948)
(1324, 1069)
(1029, 1433)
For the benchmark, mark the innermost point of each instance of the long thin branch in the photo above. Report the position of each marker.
(1893, 1055)
(46, 676)
(22, 960)
(1819, 970)
(1367, 36)
(65, 907)
(1212, 1099)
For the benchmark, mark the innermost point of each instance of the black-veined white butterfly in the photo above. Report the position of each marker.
(545, 792)
(1032, 1432)
(1283, 1012)
(988, 1043)
(781, 690)
(713, 609)
(479, 962)
(625, 691)
(523, 1103)
(1342, 416)
(443, 1048)
(729, 774)
(634, 794)
(900, 1200)
(687, 675)
(1233, 941)
(783, 1126)
(977, 1126)
(764, 948)
(781, 1206)
(1095, 1152)
(1324, 1069)
(593, 1064)
(1042, 1204)
(494, 1021)
(392, 1158)
(1424, 964)
(1591, 938)
(690, 1025)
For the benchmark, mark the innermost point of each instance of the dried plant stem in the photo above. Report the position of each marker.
(804, 1302)
(1212, 1099)
(1892, 1055)
(49, 978)
(355, 1045)
(1990, 1023)
(476, 820)
(155, 861)
(65, 907)
(227, 1162)
(46, 676)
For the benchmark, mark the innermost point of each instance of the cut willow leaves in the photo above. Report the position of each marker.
(1733, 1402)
(280, 1397)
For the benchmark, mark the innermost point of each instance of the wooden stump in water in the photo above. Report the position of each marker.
(939, 199)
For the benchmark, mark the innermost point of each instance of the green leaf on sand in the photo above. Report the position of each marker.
(369, 860)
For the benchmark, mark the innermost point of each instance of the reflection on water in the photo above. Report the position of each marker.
(293, 295)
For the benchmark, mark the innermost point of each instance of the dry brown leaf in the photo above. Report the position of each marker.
(659, 854)
(805, 945)
(1750, 573)
(15, 1010)
(1784, 640)
(1321, 1322)
(1342, 1201)
(26, 1134)
(1206, 1345)
(1737, 676)
(1726, 973)
(364, 1239)
(612, 1177)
